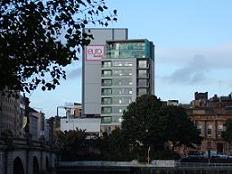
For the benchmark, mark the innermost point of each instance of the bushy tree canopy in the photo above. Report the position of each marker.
(148, 123)
(41, 37)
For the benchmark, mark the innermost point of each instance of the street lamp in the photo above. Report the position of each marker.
(148, 151)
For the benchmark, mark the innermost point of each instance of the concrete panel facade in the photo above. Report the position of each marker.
(91, 77)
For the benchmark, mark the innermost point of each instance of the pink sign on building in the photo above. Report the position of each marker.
(94, 52)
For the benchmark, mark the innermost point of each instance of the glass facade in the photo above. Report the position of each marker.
(136, 49)
(125, 75)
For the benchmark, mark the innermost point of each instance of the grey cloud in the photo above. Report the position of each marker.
(193, 72)
(219, 57)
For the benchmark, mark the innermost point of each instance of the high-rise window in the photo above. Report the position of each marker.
(142, 63)
(122, 72)
(142, 91)
(122, 63)
(106, 119)
(142, 82)
(106, 64)
(122, 91)
(118, 109)
(106, 73)
(122, 82)
(106, 100)
(124, 100)
(106, 91)
(106, 110)
(142, 73)
(106, 82)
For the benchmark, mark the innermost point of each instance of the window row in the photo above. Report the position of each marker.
(117, 72)
(116, 91)
(116, 100)
(107, 64)
(125, 54)
(113, 109)
(110, 119)
(209, 130)
(127, 46)
(117, 82)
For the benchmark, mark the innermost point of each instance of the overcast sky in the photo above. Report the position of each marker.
(193, 45)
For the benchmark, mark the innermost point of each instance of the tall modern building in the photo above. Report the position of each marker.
(127, 71)
(91, 67)
(115, 71)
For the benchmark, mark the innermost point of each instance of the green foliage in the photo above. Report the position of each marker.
(38, 38)
(138, 121)
(149, 124)
(180, 129)
(148, 127)
(227, 134)
(69, 141)
(74, 145)
(114, 146)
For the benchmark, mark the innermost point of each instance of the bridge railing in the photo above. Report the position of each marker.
(197, 164)
(155, 164)
(23, 143)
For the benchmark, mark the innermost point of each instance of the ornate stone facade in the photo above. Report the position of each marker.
(210, 115)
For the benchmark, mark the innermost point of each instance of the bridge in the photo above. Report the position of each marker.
(26, 157)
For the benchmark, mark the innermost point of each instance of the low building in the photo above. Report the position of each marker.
(210, 115)
(53, 128)
(172, 103)
(10, 115)
(73, 110)
(36, 124)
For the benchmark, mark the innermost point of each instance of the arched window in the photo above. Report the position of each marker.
(35, 166)
(18, 166)
(47, 164)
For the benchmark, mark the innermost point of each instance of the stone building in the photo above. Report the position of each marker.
(36, 124)
(210, 115)
(10, 115)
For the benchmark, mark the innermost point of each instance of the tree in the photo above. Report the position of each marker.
(227, 134)
(180, 129)
(149, 124)
(74, 145)
(38, 38)
(114, 146)
(70, 143)
(142, 126)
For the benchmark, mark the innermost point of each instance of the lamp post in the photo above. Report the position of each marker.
(148, 150)
(148, 155)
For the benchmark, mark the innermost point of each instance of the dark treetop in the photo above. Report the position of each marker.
(39, 38)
